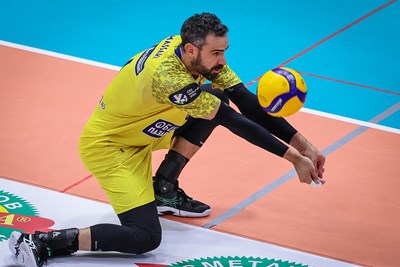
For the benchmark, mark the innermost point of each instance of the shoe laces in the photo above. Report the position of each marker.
(180, 197)
(183, 197)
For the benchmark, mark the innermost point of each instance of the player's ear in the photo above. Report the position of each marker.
(191, 50)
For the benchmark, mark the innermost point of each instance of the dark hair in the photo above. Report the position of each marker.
(196, 28)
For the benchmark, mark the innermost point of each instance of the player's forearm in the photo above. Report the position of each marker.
(248, 130)
(248, 105)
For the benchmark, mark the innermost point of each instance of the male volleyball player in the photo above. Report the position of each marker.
(158, 101)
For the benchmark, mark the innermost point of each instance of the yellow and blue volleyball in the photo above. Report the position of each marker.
(281, 92)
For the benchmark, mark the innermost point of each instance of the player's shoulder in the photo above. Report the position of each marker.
(166, 47)
(161, 53)
(226, 78)
(166, 58)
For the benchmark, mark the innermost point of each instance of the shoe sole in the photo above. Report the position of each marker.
(13, 243)
(181, 213)
(25, 256)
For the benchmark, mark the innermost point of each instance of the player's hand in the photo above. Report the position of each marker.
(310, 151)
(307, 172)
(305, 167)
(317, 159)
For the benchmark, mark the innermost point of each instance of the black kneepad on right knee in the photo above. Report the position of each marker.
(197, 131)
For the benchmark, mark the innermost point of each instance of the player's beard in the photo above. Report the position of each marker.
(197, 65)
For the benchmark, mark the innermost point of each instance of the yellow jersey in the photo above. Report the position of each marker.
(151, 96)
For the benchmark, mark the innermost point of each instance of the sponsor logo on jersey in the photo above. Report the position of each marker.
(186, 95)
(229, 262)
(142, 59)
(159, 128)
(179, 99)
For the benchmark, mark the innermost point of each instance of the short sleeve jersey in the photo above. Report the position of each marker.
(151, 96)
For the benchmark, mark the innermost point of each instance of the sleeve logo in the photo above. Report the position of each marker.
(179, 99)
(186, 95)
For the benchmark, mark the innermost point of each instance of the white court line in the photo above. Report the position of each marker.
(117, 68)
(349, 120)
(59, 55)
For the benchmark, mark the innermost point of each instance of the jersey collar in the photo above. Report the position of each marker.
(178, 51)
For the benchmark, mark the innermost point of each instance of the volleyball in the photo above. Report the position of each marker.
(281, 92)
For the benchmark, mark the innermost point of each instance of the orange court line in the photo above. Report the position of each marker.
(76, 184)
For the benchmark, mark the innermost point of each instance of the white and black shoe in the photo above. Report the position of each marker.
(177, 203)
(29, 249)
(14, 242)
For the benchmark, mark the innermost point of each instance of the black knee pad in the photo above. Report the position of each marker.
(145, 234)
(197, 131)
(140, 232)
(139, 241)
(126, 239)
(149, 244)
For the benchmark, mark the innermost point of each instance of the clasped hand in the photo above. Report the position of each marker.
(310, 167)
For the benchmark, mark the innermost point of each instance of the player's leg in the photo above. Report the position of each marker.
(125, 175)
(139, 232)
(187, 140)
(129, 187)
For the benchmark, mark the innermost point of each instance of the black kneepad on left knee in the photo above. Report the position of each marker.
(143, 228)
(143, 241)
(126, 239)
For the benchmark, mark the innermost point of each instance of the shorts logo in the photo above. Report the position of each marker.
(159, 128)
(186, 95)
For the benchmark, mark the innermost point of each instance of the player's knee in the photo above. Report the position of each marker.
(153, 243)
(142, 242)
(149, 245)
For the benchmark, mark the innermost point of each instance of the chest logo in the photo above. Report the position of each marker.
(159, 128)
